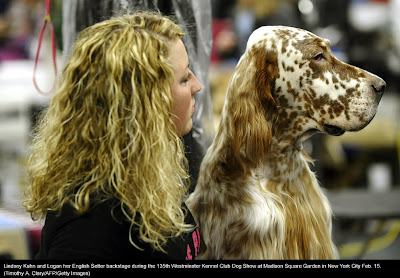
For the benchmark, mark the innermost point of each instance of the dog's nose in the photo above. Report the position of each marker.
(379, 85)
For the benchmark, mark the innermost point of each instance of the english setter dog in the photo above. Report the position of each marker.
(256, 197)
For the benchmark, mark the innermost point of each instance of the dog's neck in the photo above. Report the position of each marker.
(285, 161)
(287, 164)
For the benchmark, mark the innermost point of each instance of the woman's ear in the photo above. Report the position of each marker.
(252, 106)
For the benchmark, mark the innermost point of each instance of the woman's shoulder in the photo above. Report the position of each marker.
(93, 234)
(103, 233)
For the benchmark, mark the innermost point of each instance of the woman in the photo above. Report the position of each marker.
(107, 168)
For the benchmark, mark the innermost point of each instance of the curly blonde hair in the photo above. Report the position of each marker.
(109, 130)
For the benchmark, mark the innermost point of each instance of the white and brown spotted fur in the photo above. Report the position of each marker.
(256, 197)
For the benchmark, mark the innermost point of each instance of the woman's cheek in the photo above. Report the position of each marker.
(182, 108)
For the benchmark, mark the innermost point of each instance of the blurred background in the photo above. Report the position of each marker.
(359, 171)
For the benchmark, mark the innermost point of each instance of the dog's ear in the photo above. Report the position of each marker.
(252, 106)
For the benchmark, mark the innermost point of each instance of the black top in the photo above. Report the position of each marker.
(97, 235)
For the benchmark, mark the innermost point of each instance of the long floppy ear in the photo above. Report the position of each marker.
(252, 106)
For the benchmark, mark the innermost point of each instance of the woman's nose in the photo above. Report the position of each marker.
(197, 86)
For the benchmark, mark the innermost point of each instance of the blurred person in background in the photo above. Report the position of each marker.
(17, 22)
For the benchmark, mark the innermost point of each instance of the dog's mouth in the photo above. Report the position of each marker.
(328, 129)
(333, 130)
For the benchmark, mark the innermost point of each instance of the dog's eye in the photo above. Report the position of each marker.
(318, 57)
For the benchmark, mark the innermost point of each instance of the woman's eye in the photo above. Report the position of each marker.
(318, 57)
(186, 79)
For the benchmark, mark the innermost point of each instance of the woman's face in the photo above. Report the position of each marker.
(183, 89)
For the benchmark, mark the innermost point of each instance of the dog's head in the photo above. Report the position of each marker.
(289, 85)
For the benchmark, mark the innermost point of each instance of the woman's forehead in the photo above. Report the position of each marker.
(178, 55)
